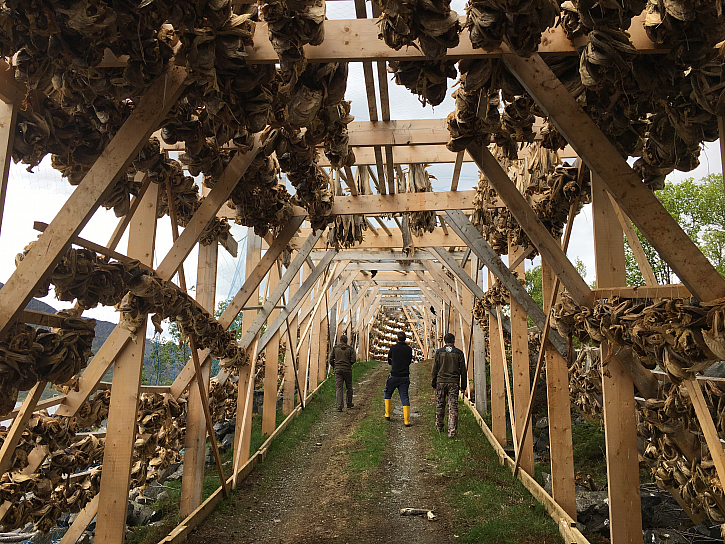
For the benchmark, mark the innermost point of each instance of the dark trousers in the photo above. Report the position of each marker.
(343, 376)
(447, 392)
(401, 384)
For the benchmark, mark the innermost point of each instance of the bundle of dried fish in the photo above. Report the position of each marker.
(347, 230)
(585, 383)
(518, 24)
(608, 54)
(551, 138)
(223, 399)
(427, 79)
(418, 181)
(261, 202)
(496, 295)
(292, 25)
(433, 24)
(690, 30)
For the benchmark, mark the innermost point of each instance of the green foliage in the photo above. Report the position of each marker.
(236, 324)
(534, 285)
(167, 358)
(699, 208)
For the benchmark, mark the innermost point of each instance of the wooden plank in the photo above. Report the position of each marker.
(121, 429)
(463, 227)
(271, 359)
(86, 198)
(498, 391)
(319, 300)
(602, 158)
(322, 353)
(242, 297)
(520, 372)
(145, 180)
(559, 412)
(242, 447)
(507, 382)
(295, 300)
(676, 290)
(620, 422)
(536, 231)
(457, 170)
(208, 209)
(195, 439)
(444, 291)
(85, 517)
(242, 429)
(12, 91)
(8, 117)
(18, 426)
(708, 426)
(414, 327)
(642, 263)
(288, 392)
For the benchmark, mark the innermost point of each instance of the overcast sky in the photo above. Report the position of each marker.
(39, 196)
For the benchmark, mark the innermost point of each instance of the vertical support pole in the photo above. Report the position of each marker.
(557, 394)
(254, 255)
(121, 427)
(288, 393)
(479, 353)
(322, 353)
(520, 369)
(8, 116)
(625, 512)
(271, 365)
(467, 301)
(721, 129)
(195, 441)
(303, 356)
(498, 388)
(315, 344)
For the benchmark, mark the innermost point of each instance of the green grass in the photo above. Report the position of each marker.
(169, 507)
(590, 452)
(369, 438)
(489, 504)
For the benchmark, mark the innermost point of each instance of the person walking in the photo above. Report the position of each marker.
(399, 358)
(341, 359)
(448, 374)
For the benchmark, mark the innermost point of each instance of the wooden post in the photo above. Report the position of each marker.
(620, 423)
(121, 427)
(288, 393)
(195, 441)
(271, 362)
(8, 116)
(322, 352)
(557, 394)
(520, 369)
(315, 344)
(303, 344)
(19, 423)
(479, 356)
(254, 255)
(498, 389)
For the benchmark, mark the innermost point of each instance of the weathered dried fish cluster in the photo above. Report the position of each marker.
(518, 24)
(677, 454)
(585, 383)
(32, 354)
(430, 26)
(418, 181)
(41, 497)
(681, 335)
(347, 230)
(383, 334)
(94, 279)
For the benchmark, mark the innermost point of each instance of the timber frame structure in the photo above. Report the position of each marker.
(436, 278)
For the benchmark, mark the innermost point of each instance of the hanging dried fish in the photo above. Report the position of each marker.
(418, 181)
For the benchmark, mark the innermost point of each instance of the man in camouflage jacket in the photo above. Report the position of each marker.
(448, 374)
(341, 358)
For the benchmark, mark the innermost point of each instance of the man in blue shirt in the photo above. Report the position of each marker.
(399, 358)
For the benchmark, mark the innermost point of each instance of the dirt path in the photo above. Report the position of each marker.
(315, 496)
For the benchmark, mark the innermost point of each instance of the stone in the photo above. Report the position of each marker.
(542, 441)
(221, 429)
(208, 461)
(152, 491)
(228, 441)
(177, 474)
(547, 482)
(163, 496)
(592, 509)
(86, 538)
(138, 514)
(649, 501)
(542, 423)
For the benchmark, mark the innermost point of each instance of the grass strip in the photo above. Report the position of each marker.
(489, 504)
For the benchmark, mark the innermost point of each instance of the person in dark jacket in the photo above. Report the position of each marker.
(341, 358)
(399, 358)
(447, 376)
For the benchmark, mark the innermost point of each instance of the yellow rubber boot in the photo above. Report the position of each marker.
(406, 415)
(387, 408)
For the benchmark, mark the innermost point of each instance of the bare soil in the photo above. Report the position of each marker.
(314, 496)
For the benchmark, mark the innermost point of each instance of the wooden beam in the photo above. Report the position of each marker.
(89, 195)
(145, 181)
(351, 40)
(376, 256)
(520, 372)
(394, 240)
(385, 267)
(676, 290)
(444, 291)
(633, 240)
(414, 327)
(707, 425)
(8, 117)
(620, 421)
(536, 231)
(18, 426)
(121, 429)
(195, 439)
(208, 209)
(84, 518)
(457, 170)
(271, 361)
(460, 223)
(633, 196)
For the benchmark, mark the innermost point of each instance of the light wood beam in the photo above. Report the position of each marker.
(271, 361)
(633, 196)
(457, 170)
(89, 195)
(8, 117)
(143, 178)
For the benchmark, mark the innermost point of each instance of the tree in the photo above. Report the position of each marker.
(699, 208)
(534, 283)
